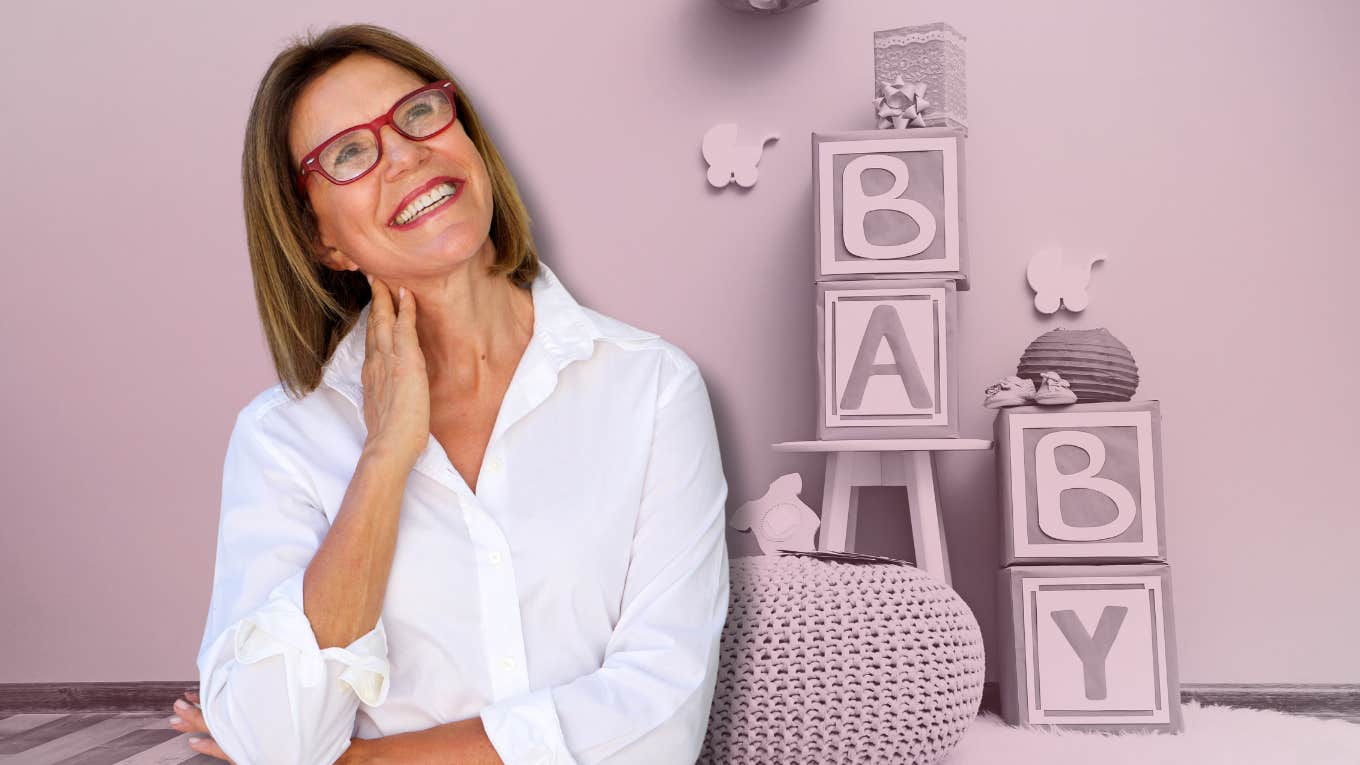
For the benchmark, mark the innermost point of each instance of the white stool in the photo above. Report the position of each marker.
(907, 462)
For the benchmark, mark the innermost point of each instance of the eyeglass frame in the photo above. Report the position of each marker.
(309, 163)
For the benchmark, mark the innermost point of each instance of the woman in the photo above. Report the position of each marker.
(476, 521)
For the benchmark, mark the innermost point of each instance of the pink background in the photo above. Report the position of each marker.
(1206, 147)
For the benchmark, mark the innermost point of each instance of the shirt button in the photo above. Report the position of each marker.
(508, 663)
(494, 557)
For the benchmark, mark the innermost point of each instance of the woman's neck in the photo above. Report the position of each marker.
(472, 325)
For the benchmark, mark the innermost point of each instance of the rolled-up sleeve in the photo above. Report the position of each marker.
(650, 700)
(269, 693)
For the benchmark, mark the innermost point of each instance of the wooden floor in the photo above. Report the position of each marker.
(107, 738)
(101, 738)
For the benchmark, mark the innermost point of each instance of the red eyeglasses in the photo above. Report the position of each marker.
(350, 154)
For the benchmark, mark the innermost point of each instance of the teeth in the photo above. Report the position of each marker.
(425, 200)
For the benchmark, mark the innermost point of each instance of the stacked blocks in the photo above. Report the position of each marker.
(890, 256)
(1085, 592)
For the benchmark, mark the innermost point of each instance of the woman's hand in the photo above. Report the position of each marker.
(189, 719)
(396, 388)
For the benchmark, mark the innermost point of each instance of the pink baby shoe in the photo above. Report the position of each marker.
(1053, 390)
(1009, 391)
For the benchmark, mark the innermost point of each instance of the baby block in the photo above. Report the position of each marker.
(889, 203)
(1089, 647)
(884, 363)
(1081, 483)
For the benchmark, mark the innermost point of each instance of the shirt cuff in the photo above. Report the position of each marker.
(524, 730)
(281, 627)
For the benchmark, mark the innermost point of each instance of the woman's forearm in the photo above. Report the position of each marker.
(346, 581)
(464, 742)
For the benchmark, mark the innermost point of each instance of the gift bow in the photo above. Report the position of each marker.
(901, 104)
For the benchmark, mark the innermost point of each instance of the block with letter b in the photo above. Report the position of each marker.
(884, 363)
(1081, 483)
(889, 203)
(1089, 647)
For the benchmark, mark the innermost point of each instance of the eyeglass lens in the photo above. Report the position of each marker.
(353, 153)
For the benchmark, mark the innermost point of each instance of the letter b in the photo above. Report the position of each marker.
(1050, 483)
(856, 205)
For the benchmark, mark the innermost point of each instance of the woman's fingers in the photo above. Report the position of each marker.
(404, 338)
(381, 316)
(191, 718)
(370, 337)
(396, 390)
(209, 747)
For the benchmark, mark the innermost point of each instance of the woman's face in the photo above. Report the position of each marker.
(356, 220)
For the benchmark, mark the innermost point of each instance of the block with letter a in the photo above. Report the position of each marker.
(889, 203)
(884, 362)
(1089, 647)
(1081, 483)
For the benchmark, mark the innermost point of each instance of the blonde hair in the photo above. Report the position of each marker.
(305, 306)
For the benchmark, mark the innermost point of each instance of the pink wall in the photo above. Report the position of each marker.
(1206, 147)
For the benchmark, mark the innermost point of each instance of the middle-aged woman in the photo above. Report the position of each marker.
(476, 522)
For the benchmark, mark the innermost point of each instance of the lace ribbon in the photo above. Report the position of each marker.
(893, 37)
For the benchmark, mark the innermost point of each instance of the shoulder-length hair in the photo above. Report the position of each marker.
(305, 306)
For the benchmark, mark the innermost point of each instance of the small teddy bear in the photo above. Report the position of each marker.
(779, 519)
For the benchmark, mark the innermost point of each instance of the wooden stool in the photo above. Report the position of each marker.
(907, 462)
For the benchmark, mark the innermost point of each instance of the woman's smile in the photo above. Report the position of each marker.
(433, 210)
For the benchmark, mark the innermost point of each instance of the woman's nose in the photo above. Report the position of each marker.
(399, 150)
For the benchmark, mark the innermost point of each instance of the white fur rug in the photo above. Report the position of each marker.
(1213, 736)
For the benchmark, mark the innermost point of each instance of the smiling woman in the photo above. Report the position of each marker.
(303, 307)
(476, 521)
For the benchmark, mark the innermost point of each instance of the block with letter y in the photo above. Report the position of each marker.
(1089, 647)
(1081, 483)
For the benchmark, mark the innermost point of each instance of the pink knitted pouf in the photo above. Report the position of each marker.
(834, 662)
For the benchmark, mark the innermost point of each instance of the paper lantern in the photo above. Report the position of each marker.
(764, 6)
(1099, 367)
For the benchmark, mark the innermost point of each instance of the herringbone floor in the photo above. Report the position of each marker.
(106, 738)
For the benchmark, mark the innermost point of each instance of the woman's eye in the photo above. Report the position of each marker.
(417, 113)
(348, 151)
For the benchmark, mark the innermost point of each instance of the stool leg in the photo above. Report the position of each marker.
(840, 501)
(927, 525)
(836, 496)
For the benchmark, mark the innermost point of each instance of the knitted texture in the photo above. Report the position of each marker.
(838, 662)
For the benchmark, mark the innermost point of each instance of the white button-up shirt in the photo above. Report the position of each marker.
(575, 602)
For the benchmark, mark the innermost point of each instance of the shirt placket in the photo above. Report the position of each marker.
(502, 625)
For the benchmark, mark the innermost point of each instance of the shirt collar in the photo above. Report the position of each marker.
(561, 326)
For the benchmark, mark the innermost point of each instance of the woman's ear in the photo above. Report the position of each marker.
(330, 257)
(336, 260)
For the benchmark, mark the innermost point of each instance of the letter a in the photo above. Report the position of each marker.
(1092, 649)
(884, 323)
